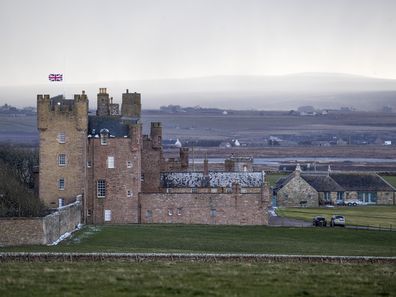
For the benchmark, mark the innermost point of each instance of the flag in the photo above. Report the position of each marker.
(55, 77)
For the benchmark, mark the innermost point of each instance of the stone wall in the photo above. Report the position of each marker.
(295, 191)
(205, 208)
(45, 230)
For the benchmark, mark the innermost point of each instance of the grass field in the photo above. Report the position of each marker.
(273, 178)
(225, 239)
(390, 179)
(195, 279)
(376, 216)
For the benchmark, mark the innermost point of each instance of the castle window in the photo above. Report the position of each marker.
(101, 188)
(129, 164)
(61, 183)
(129, 193)
(61, 202)
(110, 162)
(107, 215)
(61, 137)
(213, 212)
(170, 212)
(142, 177)
(104, 136)
(61, 159)
(89, 164)
(179, 211)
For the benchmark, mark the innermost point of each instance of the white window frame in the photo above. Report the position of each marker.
(61, 137)
(107, 215)
(61, 184)
(61, 159)
(129, 193)
(129, 164)
(110, 162)
(101, 188)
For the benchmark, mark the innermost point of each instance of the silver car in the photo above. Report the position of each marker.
(337, 220)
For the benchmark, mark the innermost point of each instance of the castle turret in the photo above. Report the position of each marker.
(62, 125)
(131, 105)
(156, 135)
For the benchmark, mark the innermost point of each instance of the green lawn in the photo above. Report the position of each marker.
(272, 178)
(163, 278)
(225, 239)
(384, 216)
(390, 179)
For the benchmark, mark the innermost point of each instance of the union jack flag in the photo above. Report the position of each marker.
(55, 77)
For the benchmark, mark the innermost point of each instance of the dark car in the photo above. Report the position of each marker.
(319, 221)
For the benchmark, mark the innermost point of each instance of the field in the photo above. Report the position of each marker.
(195, 279)
(376, 216)
(225, 239)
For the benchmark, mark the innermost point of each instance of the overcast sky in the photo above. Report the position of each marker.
(95, 40)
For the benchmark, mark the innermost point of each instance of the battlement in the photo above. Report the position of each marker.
(52, 109)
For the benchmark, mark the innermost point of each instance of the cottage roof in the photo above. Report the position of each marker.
(361, 182)
(322, 183)
(213, 180)
(114, 124)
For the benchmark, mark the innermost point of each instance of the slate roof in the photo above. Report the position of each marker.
(340, 182)
(361, 182)
(213, 180)
(322, 183)
(112, 123)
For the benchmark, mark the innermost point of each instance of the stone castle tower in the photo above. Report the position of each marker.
(62, 127)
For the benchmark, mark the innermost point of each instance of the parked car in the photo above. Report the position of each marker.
(354, 202)
(337, 220)
(319, 221)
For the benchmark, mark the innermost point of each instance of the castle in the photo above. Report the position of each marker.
(123, 176)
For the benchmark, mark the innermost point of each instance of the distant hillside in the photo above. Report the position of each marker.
(322, 90)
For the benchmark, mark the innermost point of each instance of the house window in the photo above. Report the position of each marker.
(129, 193)
(61, 159)
(107, 215)
(327, 196)
(213, 190)
(129, 164)
(61, 183)
(101, 188)
(340, 196)
(104, 136)
(61, 137)
(61, 202)
(367, 197)
(194, 190)
(110, 162)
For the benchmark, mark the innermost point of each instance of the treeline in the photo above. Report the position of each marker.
(17, 195)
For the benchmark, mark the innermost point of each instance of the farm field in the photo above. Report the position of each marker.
(164, 278)
(224, 239)
(376, 216)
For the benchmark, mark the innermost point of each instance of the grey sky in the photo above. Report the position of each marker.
(95, 40)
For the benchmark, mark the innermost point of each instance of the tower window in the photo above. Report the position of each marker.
(61, 183)
(129, 193)
(61, 137)
(104, 136)
(110, 162)
(61, 159)
(129, 164)
(101, 188)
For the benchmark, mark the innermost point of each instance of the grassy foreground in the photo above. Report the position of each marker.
(195, 279)
(383, 216)
(224, 239)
